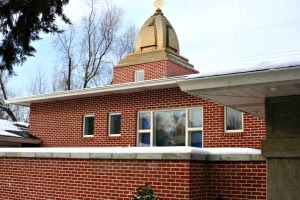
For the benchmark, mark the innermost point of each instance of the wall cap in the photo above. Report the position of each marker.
(137, 153)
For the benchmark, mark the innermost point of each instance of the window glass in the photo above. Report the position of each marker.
(88, 125)
(195, 118)
(169, 128)
(145, 121)
(195, 139)
(181, 127)
(144, 140)
(139, 75)
(234, 119)
(115, 124)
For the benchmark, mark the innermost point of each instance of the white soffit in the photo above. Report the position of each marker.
(246, 91)
(99, 91)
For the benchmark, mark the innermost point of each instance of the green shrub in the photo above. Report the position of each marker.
(145, 193)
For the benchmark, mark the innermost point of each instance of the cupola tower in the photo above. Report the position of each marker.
(157, 53)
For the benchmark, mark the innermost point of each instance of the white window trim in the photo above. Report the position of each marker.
(109, 120)
(83, 128)
(187, 130)
(135, 75)
(225, 123)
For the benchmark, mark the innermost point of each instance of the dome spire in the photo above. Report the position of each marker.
(157, 33)
(156, 41)
(158, 4)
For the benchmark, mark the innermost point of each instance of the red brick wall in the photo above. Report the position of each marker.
(152, 70)
(91, 179)
(70, 179)
(254, 129)
(198, 180)
(174, 69)
(236, 180)
(59, 123)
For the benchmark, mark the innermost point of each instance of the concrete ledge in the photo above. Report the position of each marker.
(281, 148)
(58, 155)
(234, 157)
(137, 153)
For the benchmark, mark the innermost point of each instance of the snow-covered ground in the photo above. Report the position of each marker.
(8, 125)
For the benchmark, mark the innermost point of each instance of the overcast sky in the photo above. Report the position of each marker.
(211, 32)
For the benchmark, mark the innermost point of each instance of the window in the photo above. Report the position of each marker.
(114, 124)
(139, 75)
(233, 120)
(88, 125)
(178, 127)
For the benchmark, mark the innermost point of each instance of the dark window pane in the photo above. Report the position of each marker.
(144, 139)
(195, 139)
(234, 119)
(89, 125)
(169, 128)
(145, 121)
(115, 124)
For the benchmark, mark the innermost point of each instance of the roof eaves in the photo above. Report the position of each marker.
(20, 140)
(88, 92)
(266, 76)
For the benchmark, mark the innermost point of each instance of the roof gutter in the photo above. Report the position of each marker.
(99, 91)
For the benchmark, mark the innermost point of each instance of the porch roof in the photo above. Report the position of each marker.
(246, 89)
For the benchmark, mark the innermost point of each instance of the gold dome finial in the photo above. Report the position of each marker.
(158, 4)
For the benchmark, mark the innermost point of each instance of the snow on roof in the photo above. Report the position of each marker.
(236, 69)
(12, 126)
(128, 150)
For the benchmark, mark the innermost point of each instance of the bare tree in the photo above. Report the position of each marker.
(126, 42)
(89, 53)
(10, 112)
(39, 84)
(100, 34)
(4, 96)
(67, 46)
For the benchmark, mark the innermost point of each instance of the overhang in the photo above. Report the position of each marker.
(14, 140)
(245, 91)
(99, 91)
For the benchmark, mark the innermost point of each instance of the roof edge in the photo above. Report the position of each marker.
(240, 79)
(98, 91)
(20, 140)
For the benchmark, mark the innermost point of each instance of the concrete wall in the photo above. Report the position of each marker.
(282, 147)
(60, 123)
(69, 175)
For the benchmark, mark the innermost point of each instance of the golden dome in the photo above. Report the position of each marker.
(157, 33)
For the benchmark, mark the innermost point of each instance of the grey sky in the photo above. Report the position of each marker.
(211, 32)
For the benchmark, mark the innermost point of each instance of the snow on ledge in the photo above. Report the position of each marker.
(136, 150)
(261, 66)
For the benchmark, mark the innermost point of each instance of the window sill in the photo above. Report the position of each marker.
(116, 135)
(88, 136)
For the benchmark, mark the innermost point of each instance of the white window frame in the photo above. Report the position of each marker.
(109, 122)
(187, 129)
(84, 123)
(225, 122)
(136, 75)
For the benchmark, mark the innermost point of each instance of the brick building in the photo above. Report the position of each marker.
(144, 107)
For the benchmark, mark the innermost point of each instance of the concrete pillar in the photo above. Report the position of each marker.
(282, 148)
